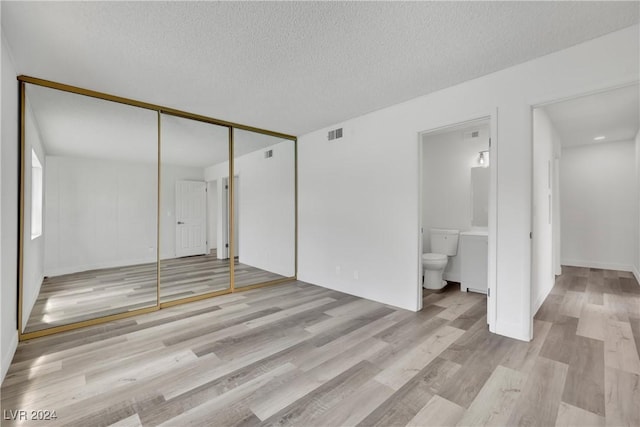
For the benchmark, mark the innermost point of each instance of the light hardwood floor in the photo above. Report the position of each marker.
(297, 354)
(71, 298)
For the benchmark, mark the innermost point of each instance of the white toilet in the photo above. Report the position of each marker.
(444, 243)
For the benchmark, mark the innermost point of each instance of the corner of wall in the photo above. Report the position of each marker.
(8, 223)
(513, 330)
(540, 299)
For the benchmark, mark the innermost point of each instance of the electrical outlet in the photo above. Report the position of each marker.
(356, 274)
(337, 270)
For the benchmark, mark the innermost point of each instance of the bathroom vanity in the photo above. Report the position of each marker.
(473, 260)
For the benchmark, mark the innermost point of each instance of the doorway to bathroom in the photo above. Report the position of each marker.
(457, 230)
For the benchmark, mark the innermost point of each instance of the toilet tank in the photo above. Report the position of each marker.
(444, 241)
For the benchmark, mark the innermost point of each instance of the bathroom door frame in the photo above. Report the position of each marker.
(492, 268)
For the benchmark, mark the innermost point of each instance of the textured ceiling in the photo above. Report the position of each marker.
(614, 114)
(291, 66)
(79, 126)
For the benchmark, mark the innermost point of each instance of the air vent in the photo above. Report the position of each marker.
(335, 134)
(268, 154)
(471, 134)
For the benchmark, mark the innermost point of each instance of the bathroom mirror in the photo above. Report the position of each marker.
(480, 196)
(90, 209)
(264, 208)
(194, 259)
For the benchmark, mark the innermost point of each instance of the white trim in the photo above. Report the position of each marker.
(545, 100)
(8, 356)
(452, 277)
(597, 264)
(420, 273)
(100, 265)
(492, 238)
(358, 293)
(636, 272)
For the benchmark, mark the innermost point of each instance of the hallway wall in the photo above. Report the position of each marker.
(599, 205)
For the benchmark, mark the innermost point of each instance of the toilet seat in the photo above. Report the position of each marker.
(434, 257)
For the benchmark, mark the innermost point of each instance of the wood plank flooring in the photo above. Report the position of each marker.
(91, 294)
(297, 354)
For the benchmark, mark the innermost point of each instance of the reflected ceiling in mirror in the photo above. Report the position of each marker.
(81, 126)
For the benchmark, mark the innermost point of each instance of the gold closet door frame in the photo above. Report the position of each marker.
(22, 81)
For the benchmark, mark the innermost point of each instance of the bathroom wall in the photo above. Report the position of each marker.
(599, 205)
(446, 184)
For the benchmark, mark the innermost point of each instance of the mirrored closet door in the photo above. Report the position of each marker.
(194, 229)
(264, 205)
(89, 243)
(128, 207)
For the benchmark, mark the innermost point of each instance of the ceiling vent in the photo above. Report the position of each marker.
(335, 134)
(268, 154)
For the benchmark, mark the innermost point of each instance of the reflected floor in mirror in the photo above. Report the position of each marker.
(81, 296)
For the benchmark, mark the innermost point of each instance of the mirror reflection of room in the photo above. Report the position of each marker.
(90, 209)
(264, 208)
(193, 209)
(455, 206)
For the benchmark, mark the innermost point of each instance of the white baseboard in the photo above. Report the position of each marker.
(636, 272)
(98, 266)
(7, 356)
(356, 292)
(597, 264)
(452, 277)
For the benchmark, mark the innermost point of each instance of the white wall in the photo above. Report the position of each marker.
(33, 266)
(9, 217)
(546, 143)
(266, 207)
(446, 185)
(358, 196)
(599, 205)
(100, 213)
